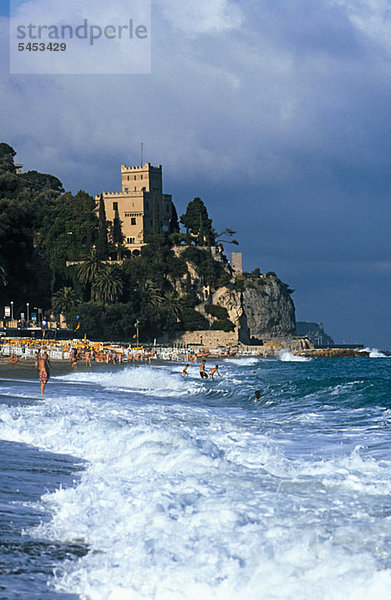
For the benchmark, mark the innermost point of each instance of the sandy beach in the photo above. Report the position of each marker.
(25, 368)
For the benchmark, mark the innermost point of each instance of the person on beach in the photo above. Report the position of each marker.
(44, 370)
(87, 356)
(184, 372)
(203, 372)
(213, 371)
(73, 358)
(257, 396)
(37, 357)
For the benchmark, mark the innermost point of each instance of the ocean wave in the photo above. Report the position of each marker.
(187, 501)
(242, 362)
(286, 356)
(157, 381)
(374, 353)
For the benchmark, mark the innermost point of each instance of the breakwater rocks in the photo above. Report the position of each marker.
(341, 352)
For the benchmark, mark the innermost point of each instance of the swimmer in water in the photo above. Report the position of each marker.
(213, 371)
(257, 396)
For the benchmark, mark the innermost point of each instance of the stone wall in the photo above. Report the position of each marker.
(208, 338)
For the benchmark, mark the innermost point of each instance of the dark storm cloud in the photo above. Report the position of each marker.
(276, 113)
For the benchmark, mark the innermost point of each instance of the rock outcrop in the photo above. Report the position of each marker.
(315, 332)
(259, 306)
(232, 301)
(269, 308)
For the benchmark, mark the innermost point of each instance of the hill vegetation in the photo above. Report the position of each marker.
(58, 252)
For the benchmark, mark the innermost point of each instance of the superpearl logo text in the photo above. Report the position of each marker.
(84, 31)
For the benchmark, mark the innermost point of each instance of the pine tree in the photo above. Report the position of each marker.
(102, 246)
(201, 236)
(195, 217)
(118, 237)
(174, 223)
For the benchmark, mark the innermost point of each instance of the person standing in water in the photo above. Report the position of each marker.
(203, 372)
(43, 364)
(213, 371)
(184, 372)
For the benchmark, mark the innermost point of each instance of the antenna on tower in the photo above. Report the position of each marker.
(142, 154)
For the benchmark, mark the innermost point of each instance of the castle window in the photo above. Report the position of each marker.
(135, 177)
(133, 220)
(141, 177)
(130, 240)
(128, 177)
(115, 205)
(135, 188)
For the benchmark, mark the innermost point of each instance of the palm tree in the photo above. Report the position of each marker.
(173, 304)
(107, 285)
(3, 276)
(64, 300)
(90, 267)
(151, 293)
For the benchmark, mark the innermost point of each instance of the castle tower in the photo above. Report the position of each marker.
(146, 178)
(237, 262)
(141, 187)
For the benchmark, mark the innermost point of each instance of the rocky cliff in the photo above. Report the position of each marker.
(258, 306)
(269, 308)
(315, 332)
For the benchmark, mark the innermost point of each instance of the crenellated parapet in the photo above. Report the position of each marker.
(118, 194)
(146, 167)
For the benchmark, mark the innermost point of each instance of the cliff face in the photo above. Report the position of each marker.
(269, 308)
(259, 306)
(232, 301)
(263, 310)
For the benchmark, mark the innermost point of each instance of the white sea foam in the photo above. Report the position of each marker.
(242, 362)
(374, 353)
(286, 356)
(156, 381)
(187, 502)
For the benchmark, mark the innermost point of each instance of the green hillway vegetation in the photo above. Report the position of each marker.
(43, 227)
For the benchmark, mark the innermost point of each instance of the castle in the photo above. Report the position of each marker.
(142, 189)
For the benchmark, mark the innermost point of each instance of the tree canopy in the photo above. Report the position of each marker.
(197, 222)
(55, 250)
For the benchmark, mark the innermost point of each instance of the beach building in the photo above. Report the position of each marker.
(140, 202)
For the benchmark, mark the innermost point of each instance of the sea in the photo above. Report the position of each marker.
(135, 483)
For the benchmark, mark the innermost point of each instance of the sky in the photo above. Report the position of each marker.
(277, 114)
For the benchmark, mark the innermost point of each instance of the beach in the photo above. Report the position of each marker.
(25, 368)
